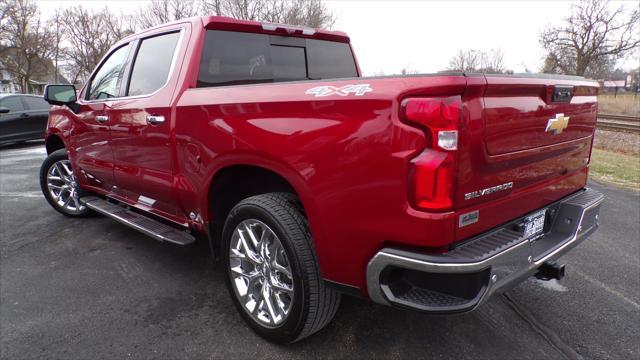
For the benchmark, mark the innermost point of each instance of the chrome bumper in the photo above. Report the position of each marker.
(466, 276)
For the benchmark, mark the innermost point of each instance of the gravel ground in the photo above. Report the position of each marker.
(617, 141)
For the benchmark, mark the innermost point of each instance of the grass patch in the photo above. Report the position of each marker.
(623, 104)
(615, 168)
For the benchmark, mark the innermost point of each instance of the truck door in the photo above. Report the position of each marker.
(141, 125)
(91, 153)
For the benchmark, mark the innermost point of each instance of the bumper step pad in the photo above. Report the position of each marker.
(142, 223)
(493, 262)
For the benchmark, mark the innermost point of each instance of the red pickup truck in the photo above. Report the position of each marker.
(426, 192)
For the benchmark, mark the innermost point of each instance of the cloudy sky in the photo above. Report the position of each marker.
(389, 36)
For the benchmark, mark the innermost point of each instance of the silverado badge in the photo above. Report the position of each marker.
(557, 124)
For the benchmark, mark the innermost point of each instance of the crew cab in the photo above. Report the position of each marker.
(426, 192)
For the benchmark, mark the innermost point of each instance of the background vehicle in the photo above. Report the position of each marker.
(428, 192)
(22, 117)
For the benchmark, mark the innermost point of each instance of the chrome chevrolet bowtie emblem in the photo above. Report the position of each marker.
(557, 124)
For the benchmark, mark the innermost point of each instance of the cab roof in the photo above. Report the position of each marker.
(231, 24)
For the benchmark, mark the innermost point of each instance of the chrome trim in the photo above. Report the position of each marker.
(143, 207)
(577, 236)
(507, 267)
(89, 202)
(155, 119)
(102, 119)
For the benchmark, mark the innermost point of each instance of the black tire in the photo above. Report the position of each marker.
(314, 304)
(46, 166)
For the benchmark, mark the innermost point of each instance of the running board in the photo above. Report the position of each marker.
(144, 224)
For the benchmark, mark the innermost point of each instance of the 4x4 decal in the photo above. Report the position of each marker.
(357, 90)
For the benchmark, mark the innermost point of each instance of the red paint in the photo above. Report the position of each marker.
(353, 160)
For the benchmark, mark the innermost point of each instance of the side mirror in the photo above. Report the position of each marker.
(60, 94)
(4, 110)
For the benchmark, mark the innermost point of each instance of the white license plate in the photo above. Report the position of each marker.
(534, 224)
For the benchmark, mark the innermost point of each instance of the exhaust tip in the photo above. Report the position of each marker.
(551, 270)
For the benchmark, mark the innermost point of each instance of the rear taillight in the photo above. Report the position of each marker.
(432, 173)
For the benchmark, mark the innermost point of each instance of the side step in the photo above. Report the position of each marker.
(144, 224)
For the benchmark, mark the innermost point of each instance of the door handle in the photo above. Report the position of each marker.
(155, 119)
(24, 115)
(102, 119)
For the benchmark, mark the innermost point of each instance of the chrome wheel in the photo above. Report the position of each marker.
(63, 187)
(261, 273)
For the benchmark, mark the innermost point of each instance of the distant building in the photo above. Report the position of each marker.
(622, 82)
(10, 84)
(7, 84)
(613, 84)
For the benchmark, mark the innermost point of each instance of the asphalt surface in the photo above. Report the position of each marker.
(92, 288)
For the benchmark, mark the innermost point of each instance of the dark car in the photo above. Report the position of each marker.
(22, 117)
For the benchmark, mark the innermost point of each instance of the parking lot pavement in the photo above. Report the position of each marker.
(92, 288)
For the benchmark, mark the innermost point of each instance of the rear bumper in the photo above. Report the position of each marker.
(468, 275)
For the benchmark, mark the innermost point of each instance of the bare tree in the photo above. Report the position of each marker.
(90, 35)
(492, 61)
(6, 7)
(244, 9)
(593, 35)
(473, 60)
(54, 25)
(162, 11)
(312, 13)
(465, 60)
(28, 45)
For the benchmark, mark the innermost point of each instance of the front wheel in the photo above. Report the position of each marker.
(59, 185)
(272, 272)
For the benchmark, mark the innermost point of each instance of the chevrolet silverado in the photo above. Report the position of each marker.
(426, 192)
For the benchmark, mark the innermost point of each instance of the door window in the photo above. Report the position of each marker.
(106, 83)
(152, 64)
(36, 103)
(13, 103)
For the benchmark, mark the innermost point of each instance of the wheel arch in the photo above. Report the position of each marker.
(233, 181)
(54, 143)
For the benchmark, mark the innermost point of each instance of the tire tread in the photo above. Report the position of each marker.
(323, 301)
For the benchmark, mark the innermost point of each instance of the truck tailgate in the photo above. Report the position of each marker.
(524, 143)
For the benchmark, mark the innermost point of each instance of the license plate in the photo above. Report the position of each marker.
(534, 224)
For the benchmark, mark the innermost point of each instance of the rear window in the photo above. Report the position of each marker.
(231, 58)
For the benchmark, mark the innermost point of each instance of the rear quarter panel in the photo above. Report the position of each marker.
(346, 157)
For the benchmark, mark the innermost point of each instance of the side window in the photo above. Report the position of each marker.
(36, 103)
(13, 103)
(152, 64)
(106, 83)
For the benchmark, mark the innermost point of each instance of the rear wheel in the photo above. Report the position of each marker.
(59, 185)
(272, 273)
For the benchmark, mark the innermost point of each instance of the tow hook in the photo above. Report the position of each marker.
(550, 270)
